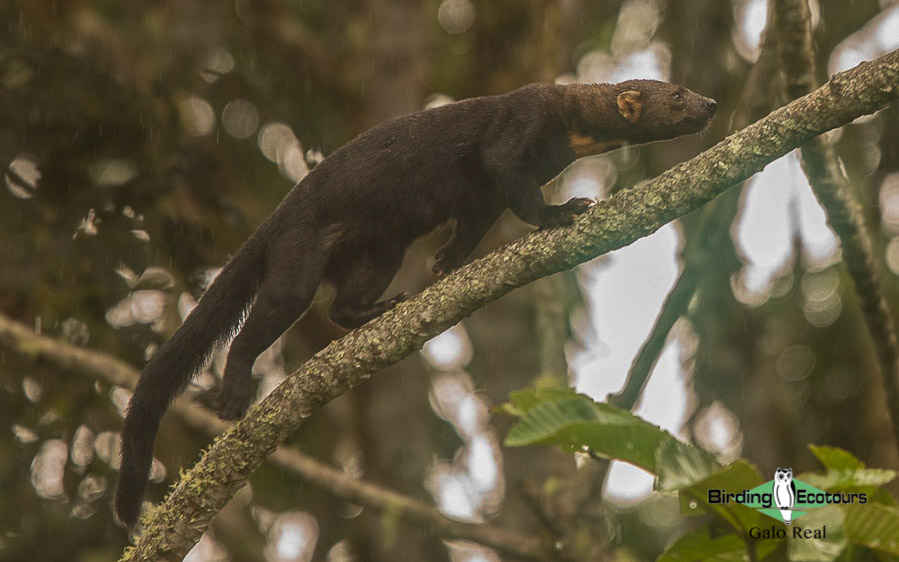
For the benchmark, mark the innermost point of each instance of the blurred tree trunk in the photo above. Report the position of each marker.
(391, 423)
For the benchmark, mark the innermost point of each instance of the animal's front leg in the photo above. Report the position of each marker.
(530, 207)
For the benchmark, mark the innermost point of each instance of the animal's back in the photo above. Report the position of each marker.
(414, 172)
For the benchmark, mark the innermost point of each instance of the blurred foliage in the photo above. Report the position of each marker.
(124, 179)
(578, 424)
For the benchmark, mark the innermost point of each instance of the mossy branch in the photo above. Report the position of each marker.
(95, 365)
(821, 164)
(174, 527)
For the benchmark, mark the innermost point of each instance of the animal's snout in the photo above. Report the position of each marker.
(711, 105)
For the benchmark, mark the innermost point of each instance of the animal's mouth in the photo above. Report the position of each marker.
(697, 122)
(710, 106)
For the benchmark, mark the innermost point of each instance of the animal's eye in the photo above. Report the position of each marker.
(677, 96)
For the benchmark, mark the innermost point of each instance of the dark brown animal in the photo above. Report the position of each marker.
(350, 220)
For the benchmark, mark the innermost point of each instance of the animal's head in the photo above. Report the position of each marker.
(782, 475)
(653, 110)
(634, 112)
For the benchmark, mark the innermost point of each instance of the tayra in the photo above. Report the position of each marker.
(351, 218)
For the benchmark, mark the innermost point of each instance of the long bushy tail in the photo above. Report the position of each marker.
(210, 323)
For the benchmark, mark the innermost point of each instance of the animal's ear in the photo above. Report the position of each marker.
(629, 105)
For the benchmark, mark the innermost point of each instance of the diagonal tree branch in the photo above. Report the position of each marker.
(821, 164)
(173, 528)
(96, 365)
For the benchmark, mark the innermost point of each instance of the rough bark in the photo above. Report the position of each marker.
(173, 528)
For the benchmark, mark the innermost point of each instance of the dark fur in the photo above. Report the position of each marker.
(351, 218)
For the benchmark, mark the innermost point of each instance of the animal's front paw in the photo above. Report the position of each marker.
(564, 214)
(575, 206)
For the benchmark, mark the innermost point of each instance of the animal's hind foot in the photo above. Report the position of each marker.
(443, 265)
(397, 299)
(233, 401)
(352, 318)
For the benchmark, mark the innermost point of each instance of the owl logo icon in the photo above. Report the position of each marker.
(784, 493)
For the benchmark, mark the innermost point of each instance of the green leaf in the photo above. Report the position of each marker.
(835, 458)
(839, 480)
(847, 473)
(523, 400)
(814, 549)
(541, 422)
(734, 478)
(874, 526)
(864, 480)
(705, 543)
(701, 545)
(680, 465)
(555, 416)
(575, 422)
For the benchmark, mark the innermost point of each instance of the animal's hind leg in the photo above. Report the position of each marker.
(285, 294)
(359, 284)
(467, 232)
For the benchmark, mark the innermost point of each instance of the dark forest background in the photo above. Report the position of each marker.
(142, 142)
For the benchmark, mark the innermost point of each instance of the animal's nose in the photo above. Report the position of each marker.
(711, 105)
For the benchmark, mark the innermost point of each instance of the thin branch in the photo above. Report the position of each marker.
(821, 165)
(673, 308)
(174, 527)
(551, 322)
(96, 365)
(531, 499)
(757, 99)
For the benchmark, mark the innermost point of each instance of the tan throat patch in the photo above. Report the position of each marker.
(585, 145)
